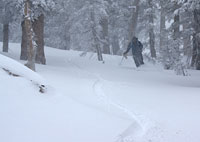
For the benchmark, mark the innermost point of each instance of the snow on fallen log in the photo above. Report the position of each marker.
(16, 69)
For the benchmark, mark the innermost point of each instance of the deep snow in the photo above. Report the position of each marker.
(87, 101)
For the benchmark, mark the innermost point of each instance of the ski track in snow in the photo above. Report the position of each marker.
(136, 129)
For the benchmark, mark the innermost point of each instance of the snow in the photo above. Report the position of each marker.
(87, 101)
(19, 69)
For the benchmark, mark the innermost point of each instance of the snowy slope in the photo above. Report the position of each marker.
(98, 102)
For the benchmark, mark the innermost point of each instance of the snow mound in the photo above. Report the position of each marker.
(19, 73)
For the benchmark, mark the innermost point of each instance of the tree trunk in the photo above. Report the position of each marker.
(176, 26)
(104, 25)
(176, 36)
(187, 46)
(67, 38)
(96, 42)
(196, 39)
(67, 42)
(134, 20)
(115, 45)
(164, 50)
(194, 51)
(5, 37)
(151, 32)
(162, 25)
(38, 28)
(152, 43)
(176, 54)
(113, 37)
(31, 49)
(24, 46)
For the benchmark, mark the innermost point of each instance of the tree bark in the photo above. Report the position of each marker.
(164, 51)
(151, 32)
(152, 43)
(176, 26)
(176, 36)
(115, 45)
(162, 25)
(38, 28)
(194, 51)
(67, 38)
(113, 38)
(94, 33)
(104, 25)
(24, 46)
(134, 20)
(187, 46)
(31, 49)
(176, 53)
(187, 43)
(196, 39)
(5, 37)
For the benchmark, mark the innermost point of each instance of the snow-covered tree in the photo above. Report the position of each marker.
(58, 25)
(194, 7)
(38, 10)
(87, 31)
(171, 42)
(185, 25)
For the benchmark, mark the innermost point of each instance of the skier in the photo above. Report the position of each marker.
(136, 47)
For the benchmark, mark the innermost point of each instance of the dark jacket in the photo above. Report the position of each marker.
(136, 48)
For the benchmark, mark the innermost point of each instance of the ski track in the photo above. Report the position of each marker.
(136, 128)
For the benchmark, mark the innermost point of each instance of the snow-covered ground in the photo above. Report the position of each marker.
(87, 101)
